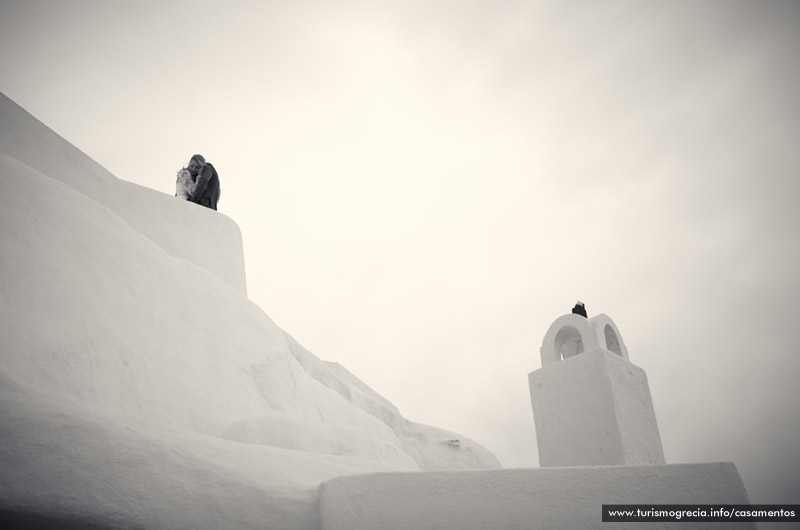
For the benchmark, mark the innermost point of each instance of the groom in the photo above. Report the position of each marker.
(206, 191)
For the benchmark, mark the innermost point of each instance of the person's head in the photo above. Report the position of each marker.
(195, 163)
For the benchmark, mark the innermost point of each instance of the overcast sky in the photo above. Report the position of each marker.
(423, 187)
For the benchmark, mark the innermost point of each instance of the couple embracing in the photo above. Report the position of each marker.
(198, 182)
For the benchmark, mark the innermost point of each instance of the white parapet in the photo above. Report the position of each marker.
(591, 405)
(511, 499)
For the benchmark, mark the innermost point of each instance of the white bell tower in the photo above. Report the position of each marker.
(591, 405)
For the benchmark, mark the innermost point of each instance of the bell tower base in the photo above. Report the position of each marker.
(594, 409)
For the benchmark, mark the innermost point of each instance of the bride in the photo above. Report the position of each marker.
(184, 186)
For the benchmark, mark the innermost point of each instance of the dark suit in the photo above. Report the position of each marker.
(207, 191)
